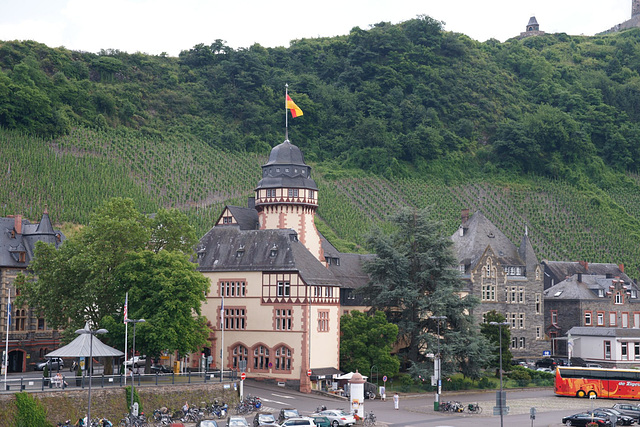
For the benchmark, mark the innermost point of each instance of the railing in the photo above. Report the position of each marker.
(73, 382)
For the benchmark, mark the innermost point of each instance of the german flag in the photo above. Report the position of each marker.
(295, 110)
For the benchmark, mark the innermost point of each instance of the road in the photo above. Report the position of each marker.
(417, 410)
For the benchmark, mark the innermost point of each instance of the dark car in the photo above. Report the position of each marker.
(55, 364)
(286, 413)
(628, 409)
(160, 369)
(548, 362)
(584, 418)
(624, 420)
(264, 419)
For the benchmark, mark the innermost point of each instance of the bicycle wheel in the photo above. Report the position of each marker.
(479, 410)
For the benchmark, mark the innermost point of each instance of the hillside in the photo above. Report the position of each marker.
(539, 133)
(74, 173)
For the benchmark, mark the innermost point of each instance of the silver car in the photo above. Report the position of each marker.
(338, 417)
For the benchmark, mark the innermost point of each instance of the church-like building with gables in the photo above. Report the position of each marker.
(276, 283)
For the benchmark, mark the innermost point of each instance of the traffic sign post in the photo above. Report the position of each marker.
(309, 373)
(243, 376)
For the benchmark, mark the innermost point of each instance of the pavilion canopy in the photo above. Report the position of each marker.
(79, 347)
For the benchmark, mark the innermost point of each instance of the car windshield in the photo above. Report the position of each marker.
(266, 418)
(290, 413)
(233, 422)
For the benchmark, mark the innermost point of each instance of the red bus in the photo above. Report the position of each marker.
(601, 382)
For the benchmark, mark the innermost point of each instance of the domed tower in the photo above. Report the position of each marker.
(287, 197)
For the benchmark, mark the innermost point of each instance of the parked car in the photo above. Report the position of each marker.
(624, 420)
(237, 421)
(338, 417)
(321, 420)
(628, 409)
(548, 362)
(160, 369)
(584, 418)
(264, 419)
(286, 413)
(207, 423)
(137, 361)
(593, 365)
(298, 422)
(55, 363)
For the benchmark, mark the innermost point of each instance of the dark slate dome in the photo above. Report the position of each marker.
(285, 153)
(286, 169)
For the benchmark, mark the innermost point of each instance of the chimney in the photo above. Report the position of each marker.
(579, 277)
(584, 265)
(17, 224)
(621, 267)
(465, 216)
(251, 202)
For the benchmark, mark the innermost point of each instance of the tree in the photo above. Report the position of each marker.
(413, 279)
(120, 251)
(492, 332)
(366, 341)
(167, 291)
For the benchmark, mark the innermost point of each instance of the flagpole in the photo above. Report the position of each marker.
(126, 332)
(6, 345)
(286, 115)
(222, 338)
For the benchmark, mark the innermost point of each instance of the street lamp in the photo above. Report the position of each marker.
(437, 366)
(500, 400)
(91, 333)
(133, 355)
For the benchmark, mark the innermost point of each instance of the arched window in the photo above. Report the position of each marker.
(283, 358)
(261, 358)
(238, 354)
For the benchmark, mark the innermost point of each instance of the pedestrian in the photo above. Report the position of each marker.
(383, 393)
(396, 400)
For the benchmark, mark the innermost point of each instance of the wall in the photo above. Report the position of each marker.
(111, 403)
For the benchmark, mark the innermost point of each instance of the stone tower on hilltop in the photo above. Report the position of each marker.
(635, 7)
(634, 22)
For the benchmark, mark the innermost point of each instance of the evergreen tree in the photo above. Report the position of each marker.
(413, 279)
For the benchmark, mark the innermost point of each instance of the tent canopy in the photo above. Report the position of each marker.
(80, 348)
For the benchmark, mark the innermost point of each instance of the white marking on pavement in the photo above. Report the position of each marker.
(274, 401)
(282, 395)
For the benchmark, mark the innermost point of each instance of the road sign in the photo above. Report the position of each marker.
(309, 372)
(496, 410)
(546, 353)
(384, 378)
(243, 376)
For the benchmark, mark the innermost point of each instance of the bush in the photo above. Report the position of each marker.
(521, 377)
(136, 398)
(30, 413)
(486, 383)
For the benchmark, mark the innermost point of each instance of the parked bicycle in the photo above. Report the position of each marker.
(474, 408)
(131, 420)
(370, 419)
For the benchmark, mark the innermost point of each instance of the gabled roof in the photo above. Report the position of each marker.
(479, 233)
(19, 235)
(562, 269)
(585, 289)
(233, 249)
(247, 218)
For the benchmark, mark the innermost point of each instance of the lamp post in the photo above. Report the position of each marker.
(91, 333)
(438, 365)
(500, 400)
(133, 355)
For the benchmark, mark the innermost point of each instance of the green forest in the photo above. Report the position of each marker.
(541, 133)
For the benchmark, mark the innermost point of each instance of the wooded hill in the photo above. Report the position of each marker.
(541, 132)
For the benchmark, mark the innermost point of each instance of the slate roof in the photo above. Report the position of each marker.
(532, 21)
(586, 289)
(230, 248)
(286, 169)
(247, 218)
(25, 241)
(562, 269)
(480, 233)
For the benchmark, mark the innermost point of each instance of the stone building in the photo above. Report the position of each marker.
(601, 310)
(505, 278)
(532, 29)
(633, 22)
(30, 338)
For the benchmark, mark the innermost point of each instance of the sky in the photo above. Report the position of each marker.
(170, 26)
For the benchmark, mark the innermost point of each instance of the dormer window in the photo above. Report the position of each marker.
(273, 252)
(601, 293)
(293, 237)
(240, 252)
(634, 293)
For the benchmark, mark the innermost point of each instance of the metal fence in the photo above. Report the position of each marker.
(73, 382)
